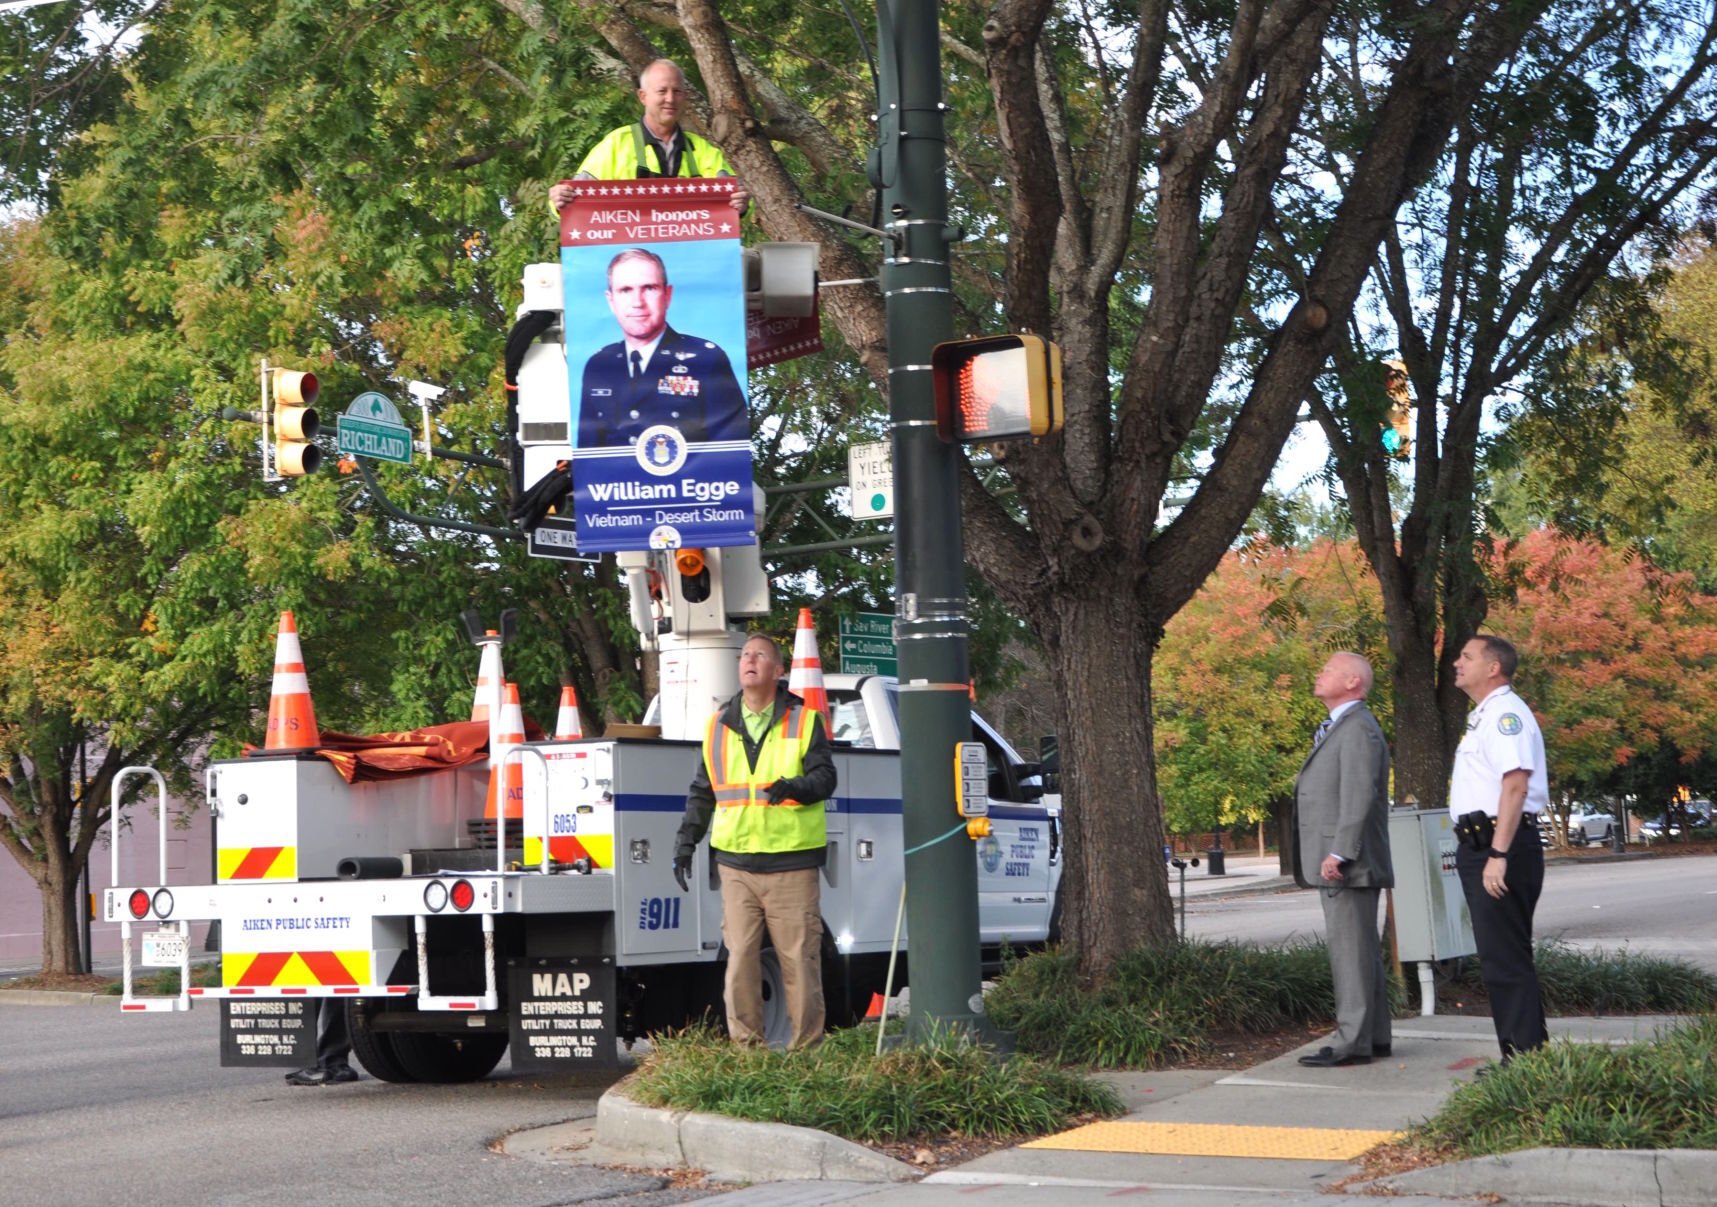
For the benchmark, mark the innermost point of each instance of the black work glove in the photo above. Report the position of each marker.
(683, 871)
(786, 789)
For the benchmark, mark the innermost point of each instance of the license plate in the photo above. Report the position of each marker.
(163, 948)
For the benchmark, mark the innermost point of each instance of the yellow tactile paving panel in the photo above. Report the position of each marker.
(1217, 1140)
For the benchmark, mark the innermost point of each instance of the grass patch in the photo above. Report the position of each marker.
(1614, 982)
(165, 982)
(947, 1087)
(1661, 1094)
(1161, 1004)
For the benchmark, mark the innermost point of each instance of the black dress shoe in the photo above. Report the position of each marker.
(319, 1076)
(1382, 1049)
(1325, 1058)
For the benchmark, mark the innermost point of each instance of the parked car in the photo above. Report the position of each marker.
(1698, 812)
(1586, 824)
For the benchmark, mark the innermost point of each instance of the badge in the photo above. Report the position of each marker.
(1508, 724)
(684, 355)
(682, 387)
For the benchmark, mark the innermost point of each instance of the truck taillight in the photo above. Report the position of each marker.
(163, 903)
(139, 903)
(435, 896)
(463, 895)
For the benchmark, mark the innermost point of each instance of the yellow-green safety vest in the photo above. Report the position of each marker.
(620, 152)
(745, 821)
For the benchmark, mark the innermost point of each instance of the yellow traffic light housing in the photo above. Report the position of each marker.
(295, 423)
(1398, 434)
(998, 387)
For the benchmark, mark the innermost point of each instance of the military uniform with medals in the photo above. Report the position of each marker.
(688, 383)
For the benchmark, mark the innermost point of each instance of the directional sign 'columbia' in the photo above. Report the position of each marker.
(662, 437)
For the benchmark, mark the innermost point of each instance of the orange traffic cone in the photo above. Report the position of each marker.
(806, 678)
(878, 1004)
(486, 703)
(291, 719)
(567, 724)
(512, 733)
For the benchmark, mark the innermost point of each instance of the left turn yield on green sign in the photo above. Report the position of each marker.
(372, 427)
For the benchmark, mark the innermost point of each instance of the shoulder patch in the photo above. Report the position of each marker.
(1508, 723)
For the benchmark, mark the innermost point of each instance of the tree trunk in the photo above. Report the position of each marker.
(1421, 764)
(1118, 902)
(1282, 818)
(60, 931)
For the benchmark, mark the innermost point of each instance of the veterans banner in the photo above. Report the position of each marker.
(661, 433)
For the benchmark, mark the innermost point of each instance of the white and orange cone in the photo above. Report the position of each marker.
(291, 719)
(486, 703)
(512, 733)
(806, 678)
(567, 723)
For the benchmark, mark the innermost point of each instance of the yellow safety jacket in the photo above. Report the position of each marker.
(619, 154)
(730, 789)
(745, 821)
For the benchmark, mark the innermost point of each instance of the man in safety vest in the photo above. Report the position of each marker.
(765, 775)
(655, 146)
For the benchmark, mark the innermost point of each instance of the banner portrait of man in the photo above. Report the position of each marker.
(654, 374)
(655, 317)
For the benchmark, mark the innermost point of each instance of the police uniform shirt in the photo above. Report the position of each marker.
(1502, 736)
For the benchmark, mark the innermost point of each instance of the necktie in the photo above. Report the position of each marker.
(1322, 733)
(637, 364)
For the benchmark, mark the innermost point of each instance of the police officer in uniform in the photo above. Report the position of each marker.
(765, 778)
(1500, 773)
(655, 375)
(655, 146)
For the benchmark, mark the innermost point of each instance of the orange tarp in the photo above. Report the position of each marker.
(380, 756)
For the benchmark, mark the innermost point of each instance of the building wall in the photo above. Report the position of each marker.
(190, 860)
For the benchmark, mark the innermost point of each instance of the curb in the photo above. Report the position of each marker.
(735, 1150)
(51, 997)
(1257, 888)
(1590, 1177)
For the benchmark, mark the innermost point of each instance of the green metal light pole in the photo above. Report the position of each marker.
(930, 587)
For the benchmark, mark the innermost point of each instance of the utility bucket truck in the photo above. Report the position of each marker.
(453, 931)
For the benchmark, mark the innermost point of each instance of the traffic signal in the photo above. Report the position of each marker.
(1398, 435)
(781, 279)
(997, 387)
(295, 423)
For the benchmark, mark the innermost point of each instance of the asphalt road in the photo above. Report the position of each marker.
(1656, 905)
(103, 1108)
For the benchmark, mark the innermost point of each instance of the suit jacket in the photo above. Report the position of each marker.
(1341, 805)
(688, 383)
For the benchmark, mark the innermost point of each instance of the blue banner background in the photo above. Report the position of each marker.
(695, 494)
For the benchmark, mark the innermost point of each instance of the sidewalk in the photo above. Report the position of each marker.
(1278, 1133)
(1242, 874)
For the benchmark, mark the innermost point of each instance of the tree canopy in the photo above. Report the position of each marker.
(1201, 204)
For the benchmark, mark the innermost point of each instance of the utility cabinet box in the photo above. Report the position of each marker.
(1431, 919)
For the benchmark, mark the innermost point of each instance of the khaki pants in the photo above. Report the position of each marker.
(787, 904)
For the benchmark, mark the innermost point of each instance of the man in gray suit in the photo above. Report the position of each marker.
(1341, 806)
